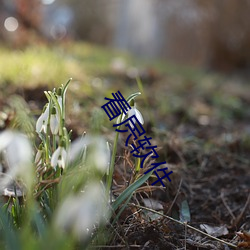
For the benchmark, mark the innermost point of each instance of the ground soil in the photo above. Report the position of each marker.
(211, 164)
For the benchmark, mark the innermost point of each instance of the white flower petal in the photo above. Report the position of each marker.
(59, 158)
(55, 156)
(44, 127)
(123, 116)
(39, 123)
(101, 155)
(54, 124)
(59, 99)
(131, 112)
(80, 213)
(19, 151)
(46, 112)
(18, 155)
(5, 139)
(139, 116)
(77, 148)
(42, 121)
(63, 159)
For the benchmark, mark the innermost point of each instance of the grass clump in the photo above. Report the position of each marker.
(60, 193)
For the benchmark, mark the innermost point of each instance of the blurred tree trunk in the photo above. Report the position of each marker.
(28, 15)
(229, 35)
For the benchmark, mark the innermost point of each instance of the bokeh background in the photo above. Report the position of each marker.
(193, 60)
(212, 34)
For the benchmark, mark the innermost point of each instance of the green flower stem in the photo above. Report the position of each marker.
(54, 142)
(63, 100)
(47, 137)
(147, 105)
(52, 95)
(112, 164)
(138, 164)
(66, 136)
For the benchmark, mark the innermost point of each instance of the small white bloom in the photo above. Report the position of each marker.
(17, 152)
(98, 152)
(59, 157)
(42, 122)
(79, 214)
(59, 99)
(54, 121)
(101, 154)
(137, 113)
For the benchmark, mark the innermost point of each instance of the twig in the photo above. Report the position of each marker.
(227, 207)
(117, 246)
(173, 202)
(237, 220)
(183, 223)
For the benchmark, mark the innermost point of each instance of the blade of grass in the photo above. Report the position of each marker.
(11, 239)
(128, 191)
(122, 209)
(133, 96)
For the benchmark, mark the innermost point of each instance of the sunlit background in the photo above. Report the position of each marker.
(212, 34)
(190, 61)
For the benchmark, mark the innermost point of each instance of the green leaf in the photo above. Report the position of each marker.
(39, 222)
(10, 236)
(185, 212)
(128, 191)
(133, 96)
(122, 209)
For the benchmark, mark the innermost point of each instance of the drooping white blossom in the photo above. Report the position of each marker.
(17, 151)
(98, 152)
(59, 157)
(54, 121)
(137, 113)
(79, 214)
(59, 99)
(42, 122)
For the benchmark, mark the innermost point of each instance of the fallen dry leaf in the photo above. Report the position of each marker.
(214, 230)
(245, 236)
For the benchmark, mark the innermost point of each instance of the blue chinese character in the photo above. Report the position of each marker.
(163, 170)
(147, 154)
(161, 178)
(156, 164)
(141, 145)
(114, 107)
(133, 125)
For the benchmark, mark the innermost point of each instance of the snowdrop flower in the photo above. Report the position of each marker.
(59, 97)
(17, 152)
(39, 154)
(79, 214)
(54, 121)
(42, 122)
(131, 112)
(98, 152)
(59, 157)
(137, 113)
